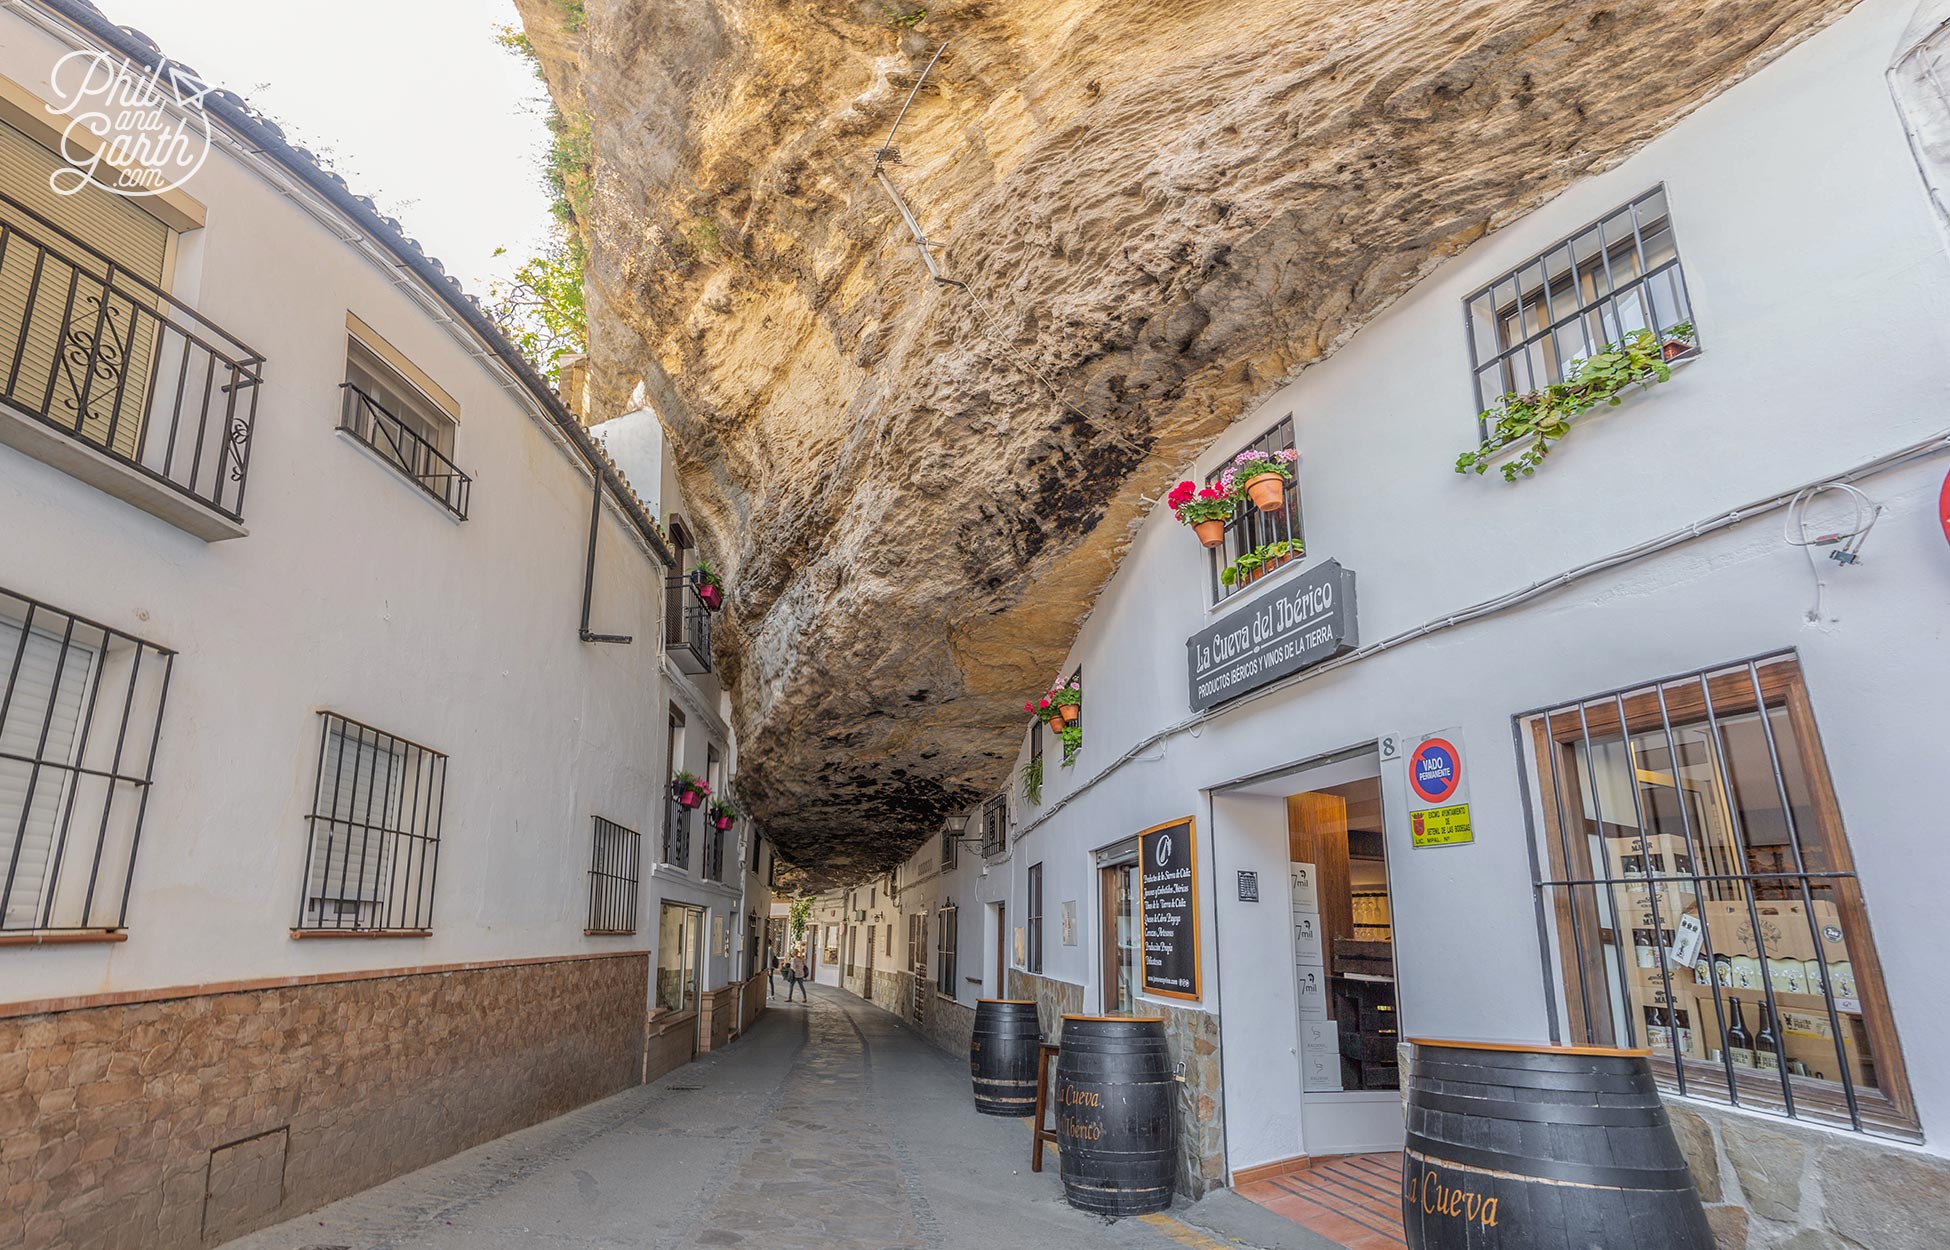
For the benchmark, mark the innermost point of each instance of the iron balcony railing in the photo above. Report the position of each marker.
(365, 419)
(116, 363)
(677, 834)
(687, 626)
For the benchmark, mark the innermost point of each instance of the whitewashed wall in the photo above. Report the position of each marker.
(1822, 294)
(353, 592)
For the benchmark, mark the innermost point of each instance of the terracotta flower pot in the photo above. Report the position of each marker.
(1273, 562)
(1069, 712)
(1211, 533)
(1267, 491)
(1674, 349)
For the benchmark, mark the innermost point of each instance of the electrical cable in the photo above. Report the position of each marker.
(1847, 543)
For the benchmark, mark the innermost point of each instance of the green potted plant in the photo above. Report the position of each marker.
(1068, 699)
(1072, 736)
(1242, 570)
(689, 789)
(1541, 417)
(1274, 554)
(722, 814)
(710, 591)
(1205, 509)
(1032, 779)
(1260, 476)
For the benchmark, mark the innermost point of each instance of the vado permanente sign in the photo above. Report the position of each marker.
(1308, 621)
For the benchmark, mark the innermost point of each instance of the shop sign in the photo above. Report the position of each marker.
(1438, 792)
(1168, 909)
(1307, 622)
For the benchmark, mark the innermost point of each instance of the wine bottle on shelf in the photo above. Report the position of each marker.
(1767, 1047)
(1740, 1046)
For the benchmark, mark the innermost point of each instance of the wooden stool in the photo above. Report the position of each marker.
(1045, 1053)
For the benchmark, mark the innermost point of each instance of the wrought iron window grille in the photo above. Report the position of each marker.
(614, 855)
(677, 834)
(1249, 529)
(373, 849)
(1034, 938)
(116, 363)
(1675, 820)
(1535, 324)
(995, 825)
(405, 448)
(80, 724)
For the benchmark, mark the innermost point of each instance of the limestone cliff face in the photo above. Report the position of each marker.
(1159, 210)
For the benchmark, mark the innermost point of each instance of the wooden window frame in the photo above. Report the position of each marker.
(1888, 1109)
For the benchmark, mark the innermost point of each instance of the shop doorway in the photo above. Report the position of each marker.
(866, 981)
(998, 980)
(1343, 957)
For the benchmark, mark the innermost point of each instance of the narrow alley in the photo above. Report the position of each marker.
(829, 1126)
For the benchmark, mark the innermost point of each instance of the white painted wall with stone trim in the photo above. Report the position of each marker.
(352, 592)
(1819, 284)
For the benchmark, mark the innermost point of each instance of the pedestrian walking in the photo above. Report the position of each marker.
(771, 970)
(795, 977)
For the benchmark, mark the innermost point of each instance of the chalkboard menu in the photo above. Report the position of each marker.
(1168, 909)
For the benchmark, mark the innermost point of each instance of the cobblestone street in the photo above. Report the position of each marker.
(828, 1126)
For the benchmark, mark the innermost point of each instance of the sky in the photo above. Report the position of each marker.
(411, 101)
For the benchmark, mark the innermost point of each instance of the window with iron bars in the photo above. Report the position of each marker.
(948, 847)
(374, 842)
(614, 856)
(414, 438)
(677, 834)
(1250, 529)
(944, 951)
(995, 825)
(714, 853)
(1535, 324)
(1676, 820)
(80, 723)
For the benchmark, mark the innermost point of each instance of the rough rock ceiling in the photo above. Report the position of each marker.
(1161, 209)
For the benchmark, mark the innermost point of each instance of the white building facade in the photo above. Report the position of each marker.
(1416, 778)
(336, 701)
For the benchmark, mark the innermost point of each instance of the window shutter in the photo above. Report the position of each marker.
(116, 227)
(20, 741)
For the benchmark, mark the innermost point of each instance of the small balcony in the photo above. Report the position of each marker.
(677, 834)
(687, 626)
(110, 379)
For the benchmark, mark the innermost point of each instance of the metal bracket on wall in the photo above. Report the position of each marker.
(589, 565)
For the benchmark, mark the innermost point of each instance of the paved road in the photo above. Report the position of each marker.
(829, 1126)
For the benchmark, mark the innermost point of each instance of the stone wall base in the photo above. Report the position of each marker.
(178, 1122)
(1773, 1184)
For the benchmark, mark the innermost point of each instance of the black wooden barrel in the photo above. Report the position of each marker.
(1542, 1148)
(1115, 1095)
(1002, 1056)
